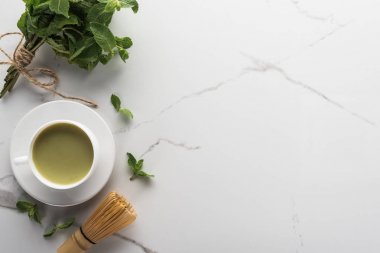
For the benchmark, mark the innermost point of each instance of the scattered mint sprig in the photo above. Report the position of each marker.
(116, 102)
(50, 232)
(136, 167)
(30, 208)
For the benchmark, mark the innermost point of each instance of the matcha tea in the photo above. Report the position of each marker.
(63, 153)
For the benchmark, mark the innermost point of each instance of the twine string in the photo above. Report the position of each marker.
(23, 57)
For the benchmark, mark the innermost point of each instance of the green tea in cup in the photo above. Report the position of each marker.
(62, 153)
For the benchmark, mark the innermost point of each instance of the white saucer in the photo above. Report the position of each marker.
(63, 110)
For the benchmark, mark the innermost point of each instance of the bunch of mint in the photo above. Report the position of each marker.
(75, 29)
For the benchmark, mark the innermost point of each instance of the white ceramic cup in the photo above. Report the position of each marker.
(27, 159)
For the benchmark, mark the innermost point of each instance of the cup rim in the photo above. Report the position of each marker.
(44, 180)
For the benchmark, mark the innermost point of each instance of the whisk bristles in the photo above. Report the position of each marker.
(113, 214)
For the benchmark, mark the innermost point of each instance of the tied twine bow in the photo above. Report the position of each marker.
(22, 58)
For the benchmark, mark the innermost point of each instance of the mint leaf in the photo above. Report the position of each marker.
(124, 42)
(136, 167)
(89, 57)
(135, 8)
(105, 58)
(34, 215)
(123, 54)
(130, 4)
(115, 100)
(131, 160)
(126, 113)
(112, 5)
(81, 46)
(60, 226)
(50, 231)
(97, 13)
(58, 47)
(60, 7)
(103, 36)
(66, 224)
(21, 24)
(30, 208)
(24, 206)
(59, 22)
(143, 174)
(139, 164)
(41, 7)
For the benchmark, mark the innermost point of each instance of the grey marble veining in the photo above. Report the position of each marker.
(262, 66)
(176, 144)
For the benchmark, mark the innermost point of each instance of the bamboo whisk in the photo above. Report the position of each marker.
(113, 214)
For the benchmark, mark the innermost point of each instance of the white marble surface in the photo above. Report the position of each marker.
(260, 120)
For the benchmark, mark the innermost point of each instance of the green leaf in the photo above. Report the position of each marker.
(89, 58)
(39, 24)
(124, 42)
(21, 24)
(115, 100)
(60, 7)
(59, 22)
(58, 47)
(98, 14)
(143, 174)
(70, 36)
(50, 231)
(66, 224)
(131, 4)
(123, 54)
(31, 24)
(37, 217)
(103, 36)
(126, 113)
(30, 208)
(73, 30)
(24, 206)
(72, 41)
(82, 45)
(136, 167)
(60, 226)
(135, 8)
(34, 215)
(131, 160)
(139, 164)
(112, 5)
(105, 58)
(31, 213)
(42, 8)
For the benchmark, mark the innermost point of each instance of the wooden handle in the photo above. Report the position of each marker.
(76, 243)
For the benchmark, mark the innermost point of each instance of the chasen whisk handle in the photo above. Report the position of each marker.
(76, 243)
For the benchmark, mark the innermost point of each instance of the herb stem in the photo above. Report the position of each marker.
(37, 46)
(11, 78)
